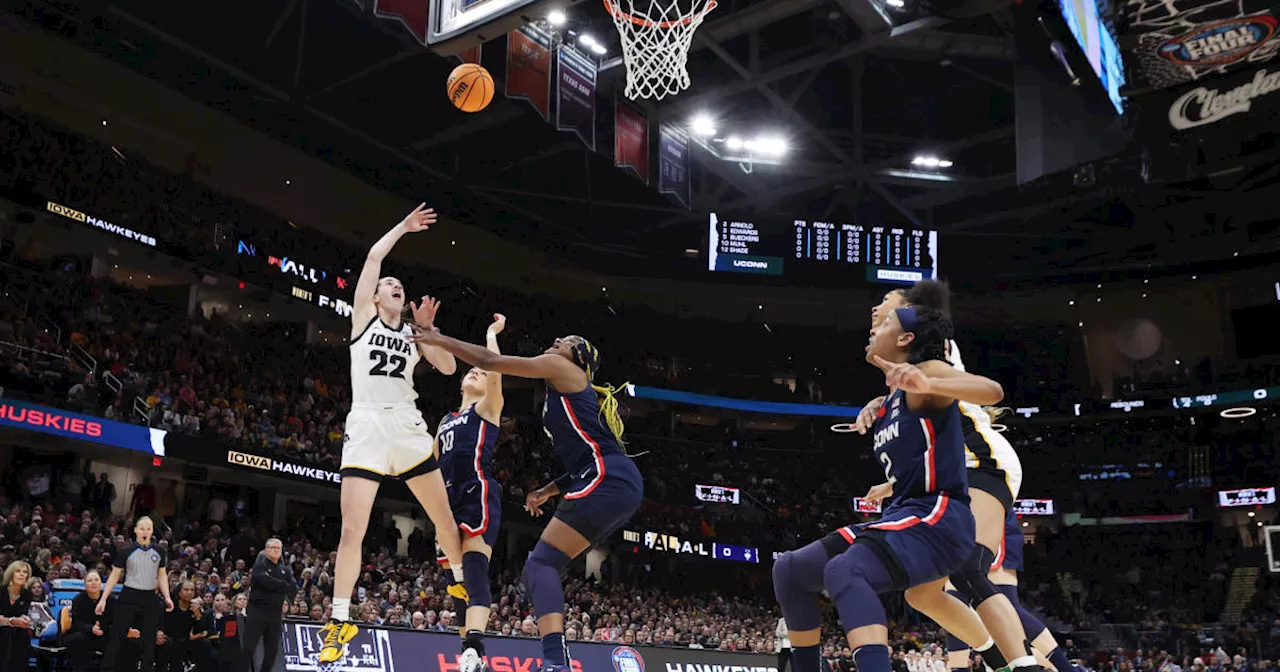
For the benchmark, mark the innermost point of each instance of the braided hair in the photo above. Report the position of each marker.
(586, 356)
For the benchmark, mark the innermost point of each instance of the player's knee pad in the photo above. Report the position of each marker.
(475, 572)
(796, 585)
(542, 578)
(972, 580)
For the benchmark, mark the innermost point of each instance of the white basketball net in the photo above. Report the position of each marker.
(655, 43)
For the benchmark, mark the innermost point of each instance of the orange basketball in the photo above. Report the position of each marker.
(470, 87)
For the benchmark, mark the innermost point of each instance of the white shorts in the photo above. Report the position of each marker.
(386, 440)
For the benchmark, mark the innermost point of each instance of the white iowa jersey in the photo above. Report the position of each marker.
(984, 447)
(382, 363)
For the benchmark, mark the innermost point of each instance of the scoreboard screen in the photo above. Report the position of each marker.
(1247, 497)
(807, 249)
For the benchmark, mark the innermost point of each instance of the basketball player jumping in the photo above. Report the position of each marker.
(926, 531)
(995, 477)
(385, 433)
(601, 487)
(465, 443)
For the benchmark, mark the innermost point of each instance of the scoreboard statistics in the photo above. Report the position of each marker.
(806, 249)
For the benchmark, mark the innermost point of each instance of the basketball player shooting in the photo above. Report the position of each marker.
(386, 435)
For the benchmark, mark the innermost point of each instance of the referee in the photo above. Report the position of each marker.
(144, 571)
(271, 585)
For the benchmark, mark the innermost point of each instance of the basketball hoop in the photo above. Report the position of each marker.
(655, 44)
(843, 428)
(1238, 412)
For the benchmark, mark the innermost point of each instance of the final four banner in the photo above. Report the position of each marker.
(529, 68)
(631, 140)
(377, 649)
(1173, 42)
(673, 163)
(412, 14)
(576, 95)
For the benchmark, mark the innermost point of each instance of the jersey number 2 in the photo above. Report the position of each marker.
(387, 365)
(888, 465)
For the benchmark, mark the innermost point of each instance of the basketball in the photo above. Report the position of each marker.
(470, 87)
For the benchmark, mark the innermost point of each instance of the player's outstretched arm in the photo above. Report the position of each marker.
(940, 383)
(490, 407)
(424, 317)
(560, 372)
(420, 219)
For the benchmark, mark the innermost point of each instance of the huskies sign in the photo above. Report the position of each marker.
(1174, 42)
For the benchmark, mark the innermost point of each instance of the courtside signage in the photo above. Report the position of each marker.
(277, 466)
(21, 415)
(1210, 104)
(101, 224)
(669, 543)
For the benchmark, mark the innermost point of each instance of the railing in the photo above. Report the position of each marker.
(24, 353)
(142, 410)
(112, 383)
(88, 361)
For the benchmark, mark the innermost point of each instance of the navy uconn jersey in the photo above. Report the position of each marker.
(922, 453)
(579, 436)
(467, 443)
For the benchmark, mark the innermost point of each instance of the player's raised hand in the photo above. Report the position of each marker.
(424, 314)
(867, 416)
(499, 323)
(903, 376)
(420, 219)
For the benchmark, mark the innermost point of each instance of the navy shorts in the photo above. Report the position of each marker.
(601, 501)
(477, 506)
(920, 540)
(1010, 555)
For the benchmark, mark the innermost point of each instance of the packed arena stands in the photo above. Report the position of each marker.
(86, 343)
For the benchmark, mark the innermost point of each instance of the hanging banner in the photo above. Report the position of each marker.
(1237, 106)
(1174, 42)
(631, 140)
(412, 14)
(576, 95)
(673, 163)
(529, 68)
(469, 55)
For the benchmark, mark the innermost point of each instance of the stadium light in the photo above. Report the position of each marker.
(586, 40)
(702, 124)
(771, 145)
(557, 18)
(895, 3)
(734, 142)
(925, 161)
(599, 49)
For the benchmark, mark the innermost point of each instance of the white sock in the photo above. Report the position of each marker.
(342, 608)
(985, 645)
(1024, 661)
(458, 576)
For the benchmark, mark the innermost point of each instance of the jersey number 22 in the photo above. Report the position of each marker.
(387, 365)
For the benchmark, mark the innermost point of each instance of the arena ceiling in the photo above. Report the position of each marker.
(856, 102)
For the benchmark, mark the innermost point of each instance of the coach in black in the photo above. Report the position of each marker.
(143, 565)
(272, 584)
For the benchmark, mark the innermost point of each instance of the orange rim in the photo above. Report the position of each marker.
(618, 13)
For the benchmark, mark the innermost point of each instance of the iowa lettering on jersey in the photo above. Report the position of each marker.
(395, 342)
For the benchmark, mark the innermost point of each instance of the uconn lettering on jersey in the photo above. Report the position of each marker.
(395, 342)
(456, 421)
(886, 435)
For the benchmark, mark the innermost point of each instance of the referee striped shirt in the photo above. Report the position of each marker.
(141, 565)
